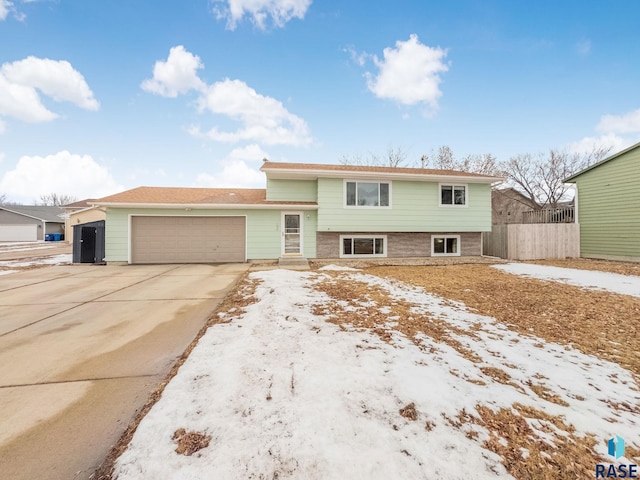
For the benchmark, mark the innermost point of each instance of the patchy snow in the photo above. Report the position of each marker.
(7, 272)
(61, 259)
(611, 282)
(338, 268)
(285, 394)
(21, 247)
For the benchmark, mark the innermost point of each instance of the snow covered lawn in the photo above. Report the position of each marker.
(10, 266)
(342, 374)
(611, 282)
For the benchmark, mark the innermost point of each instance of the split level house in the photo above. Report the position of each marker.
(306, 210)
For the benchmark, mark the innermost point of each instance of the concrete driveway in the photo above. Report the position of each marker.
(81, 348)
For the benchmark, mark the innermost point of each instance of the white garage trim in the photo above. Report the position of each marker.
(131, 222)
(19, 233)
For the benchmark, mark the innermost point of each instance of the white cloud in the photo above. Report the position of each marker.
(235, 171)
(5, 7)
(62, 172)
(22, 102)
(264, 119)
(583, 47)
(250, 153)
(409, 73)
(588, 145)
(56, 79)
(626, 123)
(616, 132)
(359, 58)
(259, 11)
(177, 75)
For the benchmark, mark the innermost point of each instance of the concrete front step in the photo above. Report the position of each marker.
(293, 262)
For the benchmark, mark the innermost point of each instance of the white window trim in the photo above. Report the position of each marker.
(433, 244)
(451, 184)
(344, 193)
(379, 255)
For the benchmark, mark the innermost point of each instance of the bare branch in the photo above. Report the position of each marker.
(394, 157)
(56, 199)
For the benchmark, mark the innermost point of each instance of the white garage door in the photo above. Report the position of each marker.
(187, 239)
(18, 233)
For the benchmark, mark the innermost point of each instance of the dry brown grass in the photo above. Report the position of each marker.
(367, 301)
(598, 323)
(409, 412)
(526, 456)
(190, 442)
(623, 268)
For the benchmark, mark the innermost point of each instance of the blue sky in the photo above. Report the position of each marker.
(97, 97)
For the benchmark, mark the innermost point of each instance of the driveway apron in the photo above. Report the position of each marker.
(81, 349)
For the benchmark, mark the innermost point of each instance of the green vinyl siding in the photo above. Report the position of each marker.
(414, 208)
(292, 190)
(609, 208)
(263, 230)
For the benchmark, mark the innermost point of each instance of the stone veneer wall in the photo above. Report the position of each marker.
(399, 245)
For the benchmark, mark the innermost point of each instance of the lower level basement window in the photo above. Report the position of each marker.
(445, 245)
(362, 246)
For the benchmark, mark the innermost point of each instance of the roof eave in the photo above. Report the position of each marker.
(572, 178)
(313, 174)
(210, 206)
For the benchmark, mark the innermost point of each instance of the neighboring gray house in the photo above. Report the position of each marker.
(29, 223)
(508, 206)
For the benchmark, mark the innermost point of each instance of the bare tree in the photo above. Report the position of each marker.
(394, 157)
(56, 199)
(444, 159)
(541, 178)
(3, 198)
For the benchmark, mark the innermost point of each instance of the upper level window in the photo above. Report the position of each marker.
(453, 195)
(367, 194)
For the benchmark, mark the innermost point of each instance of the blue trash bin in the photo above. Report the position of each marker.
(56, 237)
(48, 237)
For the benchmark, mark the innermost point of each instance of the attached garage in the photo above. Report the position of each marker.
(188, 239)
(18, 233)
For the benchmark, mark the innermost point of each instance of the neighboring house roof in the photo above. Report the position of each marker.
(38, 212)
(79, 204)
(573, 177)
(195, 197)
(511, 193)
(310, 170)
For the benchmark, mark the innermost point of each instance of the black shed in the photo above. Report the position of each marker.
(88, 242)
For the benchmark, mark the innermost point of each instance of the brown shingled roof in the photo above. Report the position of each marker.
(194, 196)
(80, 204)
(359, 168)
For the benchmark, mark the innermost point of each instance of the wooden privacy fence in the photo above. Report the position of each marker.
(536, 241)
(564, 214)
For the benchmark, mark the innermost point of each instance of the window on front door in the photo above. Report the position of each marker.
(292, 231)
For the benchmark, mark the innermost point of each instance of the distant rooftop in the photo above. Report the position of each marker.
(40, 212)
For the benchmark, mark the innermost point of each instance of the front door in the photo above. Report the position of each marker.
(88, 245)
(291, 233)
